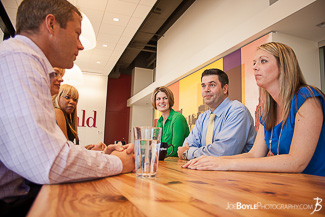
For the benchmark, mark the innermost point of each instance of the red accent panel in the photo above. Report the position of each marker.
(117, 113)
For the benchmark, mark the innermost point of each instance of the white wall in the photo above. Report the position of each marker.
(307, 53)
(140, 115)
(92, 97)
(1, 35)
(211, 29)
(204, 31)
(141, 78)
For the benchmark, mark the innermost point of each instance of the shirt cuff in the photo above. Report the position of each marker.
(117, 161)
(190, 153)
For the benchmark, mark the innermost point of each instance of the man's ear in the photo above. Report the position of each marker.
(225, 89)
(50, 23)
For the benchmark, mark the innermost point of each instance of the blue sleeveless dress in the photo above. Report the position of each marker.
(316, 165)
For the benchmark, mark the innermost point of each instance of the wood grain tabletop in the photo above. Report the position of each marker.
(183, 192)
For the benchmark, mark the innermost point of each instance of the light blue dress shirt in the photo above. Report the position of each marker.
(234, 131)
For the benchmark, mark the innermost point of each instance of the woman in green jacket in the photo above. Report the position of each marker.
(173, 124)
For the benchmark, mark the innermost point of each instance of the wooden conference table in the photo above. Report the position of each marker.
(183, 192)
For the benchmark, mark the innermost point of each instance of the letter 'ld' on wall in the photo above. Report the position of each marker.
(85, 121)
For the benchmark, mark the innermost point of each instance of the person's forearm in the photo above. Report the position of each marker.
(211, 151)
(75, 163)
(279, 163)
(244, 155)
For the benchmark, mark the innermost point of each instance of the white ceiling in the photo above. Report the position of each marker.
(116, 35)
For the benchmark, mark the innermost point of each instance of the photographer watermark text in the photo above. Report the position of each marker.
(272, 206)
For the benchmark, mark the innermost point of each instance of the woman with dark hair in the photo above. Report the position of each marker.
(173, 124)
(292, 130)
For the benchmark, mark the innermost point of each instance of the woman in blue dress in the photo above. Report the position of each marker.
(291, 136)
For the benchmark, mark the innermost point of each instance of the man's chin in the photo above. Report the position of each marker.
(207, 101)
(70, 66)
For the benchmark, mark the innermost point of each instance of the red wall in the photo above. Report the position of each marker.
(117, 113)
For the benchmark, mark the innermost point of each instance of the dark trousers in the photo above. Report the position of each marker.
(20, 207)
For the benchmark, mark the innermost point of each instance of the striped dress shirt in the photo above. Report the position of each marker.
(32, 146)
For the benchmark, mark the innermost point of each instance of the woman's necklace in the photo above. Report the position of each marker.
(270, 141)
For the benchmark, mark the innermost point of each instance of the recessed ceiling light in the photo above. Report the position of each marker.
(98, 62)
(104, 45)
(116, 19)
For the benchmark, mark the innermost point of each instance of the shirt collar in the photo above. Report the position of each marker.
(34, 47)
(169, 116)
(219, 110)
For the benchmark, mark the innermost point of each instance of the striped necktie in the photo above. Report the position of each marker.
(210, 129)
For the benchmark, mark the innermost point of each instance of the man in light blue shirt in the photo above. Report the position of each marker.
(233, 130)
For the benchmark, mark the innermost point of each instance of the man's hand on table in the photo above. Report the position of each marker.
(96, 147)
(129, 148)
(182, 149)
(127, 159)
(110, 148)
(124, 152)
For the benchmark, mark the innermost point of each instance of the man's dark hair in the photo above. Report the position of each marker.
(31, 13)
(223, 77)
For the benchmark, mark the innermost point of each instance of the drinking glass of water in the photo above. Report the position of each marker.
(146, 150)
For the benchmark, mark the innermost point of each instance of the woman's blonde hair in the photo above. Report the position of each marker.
(168, 93)
(291, 80)
(65, 90)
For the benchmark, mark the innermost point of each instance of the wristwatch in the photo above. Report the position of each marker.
(184, 155)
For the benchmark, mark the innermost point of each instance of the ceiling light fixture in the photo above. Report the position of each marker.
(87, 37)
(98, 62)
(73, 76)
(116, 19)
(104, 45)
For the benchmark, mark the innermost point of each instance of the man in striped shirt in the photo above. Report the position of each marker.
(32, 146)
